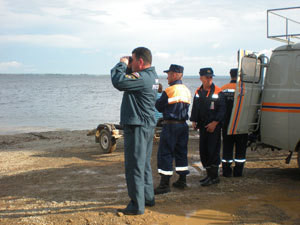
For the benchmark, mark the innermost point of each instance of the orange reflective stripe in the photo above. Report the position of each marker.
(178, 93)
(228, 86)
(280, 104)
(238, 107)
(281, 107)
(217, 90)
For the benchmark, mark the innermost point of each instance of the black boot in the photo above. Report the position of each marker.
(205, 178)
(213, 173)
(226, 169)
(164, 186)
(181, 182)
(238, 169)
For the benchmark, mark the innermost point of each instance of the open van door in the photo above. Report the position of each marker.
(247, 100)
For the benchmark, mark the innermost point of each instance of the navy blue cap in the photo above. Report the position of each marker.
(233, 72)
(206, 72)
(175, 68)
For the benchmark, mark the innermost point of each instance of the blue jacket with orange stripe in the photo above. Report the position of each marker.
(208, 106)
(174, 102)
(228, 91)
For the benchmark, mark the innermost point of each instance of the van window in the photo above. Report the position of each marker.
(278, 69)
(297, 77)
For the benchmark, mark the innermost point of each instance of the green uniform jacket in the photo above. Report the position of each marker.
(139, 97)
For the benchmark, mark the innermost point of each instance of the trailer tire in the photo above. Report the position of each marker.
(107, 143)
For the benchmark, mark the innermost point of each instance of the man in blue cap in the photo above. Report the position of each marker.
(229, 141)
(174, 104)
(137, 118)
(208, 112)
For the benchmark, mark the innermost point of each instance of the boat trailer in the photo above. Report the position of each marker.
(107, 135)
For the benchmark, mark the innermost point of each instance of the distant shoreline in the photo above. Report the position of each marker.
(90, 75)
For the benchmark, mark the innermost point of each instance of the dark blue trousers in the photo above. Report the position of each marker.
(138, 142)
(210, 145)
(173, 144)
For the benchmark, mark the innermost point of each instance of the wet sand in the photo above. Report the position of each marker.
(63, 177)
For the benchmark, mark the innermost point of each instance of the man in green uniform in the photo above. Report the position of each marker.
(137, 117)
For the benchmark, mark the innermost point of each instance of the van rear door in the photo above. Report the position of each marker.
(247, 99)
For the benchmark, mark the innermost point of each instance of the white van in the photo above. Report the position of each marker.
(267, 99)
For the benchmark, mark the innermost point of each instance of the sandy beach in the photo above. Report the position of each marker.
(62, 177)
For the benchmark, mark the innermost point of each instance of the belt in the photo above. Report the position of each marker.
(173, 121)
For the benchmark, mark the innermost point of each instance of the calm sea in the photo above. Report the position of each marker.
(31, 103)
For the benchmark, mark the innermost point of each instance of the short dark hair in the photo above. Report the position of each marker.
(144, 53)
(233, 72)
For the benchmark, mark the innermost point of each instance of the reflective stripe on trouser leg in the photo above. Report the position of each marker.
(181, 150)
(228, 145)
(241, 146)
(167, 145)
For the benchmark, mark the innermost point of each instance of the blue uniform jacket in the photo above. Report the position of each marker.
(139, 96)
(174, 110)
(208, 106)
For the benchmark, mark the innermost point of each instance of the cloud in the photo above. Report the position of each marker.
(193, 32)
(15, 67)
(54, 40)
(8, 65)
(162, 55)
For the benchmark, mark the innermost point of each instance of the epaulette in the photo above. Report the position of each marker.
(136, 74)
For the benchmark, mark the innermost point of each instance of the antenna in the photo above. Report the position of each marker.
(283, 24)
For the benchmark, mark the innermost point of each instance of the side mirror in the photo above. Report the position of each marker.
(250, 69)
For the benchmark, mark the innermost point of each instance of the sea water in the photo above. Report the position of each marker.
(32, 103)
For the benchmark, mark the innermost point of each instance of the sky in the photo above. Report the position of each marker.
(90, 36)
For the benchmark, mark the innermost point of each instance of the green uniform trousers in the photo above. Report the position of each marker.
(138, 141)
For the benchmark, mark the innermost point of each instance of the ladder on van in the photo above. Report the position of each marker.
(258, 82)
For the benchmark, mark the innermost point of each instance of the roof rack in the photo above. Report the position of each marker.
(291, 25)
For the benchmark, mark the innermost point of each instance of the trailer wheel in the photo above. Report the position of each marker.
(107, 142)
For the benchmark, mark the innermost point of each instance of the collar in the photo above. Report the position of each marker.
(211, 88)
(176, 82)
(233, 81)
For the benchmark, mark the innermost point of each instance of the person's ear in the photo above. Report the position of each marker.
(141, 63)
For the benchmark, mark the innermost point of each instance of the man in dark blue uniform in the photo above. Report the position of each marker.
(174, 104)
(229, 141)
(137, 117)
(207, 115)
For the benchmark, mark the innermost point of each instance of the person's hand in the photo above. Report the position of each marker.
(125, 59)
(194, 125)
(211, 126)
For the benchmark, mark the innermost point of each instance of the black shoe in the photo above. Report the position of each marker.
(129, 212)
(226, 169)
(237, 174)
(179, 184)
(227, 174)
(164, 185)
(150, 203)
(162, 190)
(204, 179)
(238, 169)
(211, 181)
